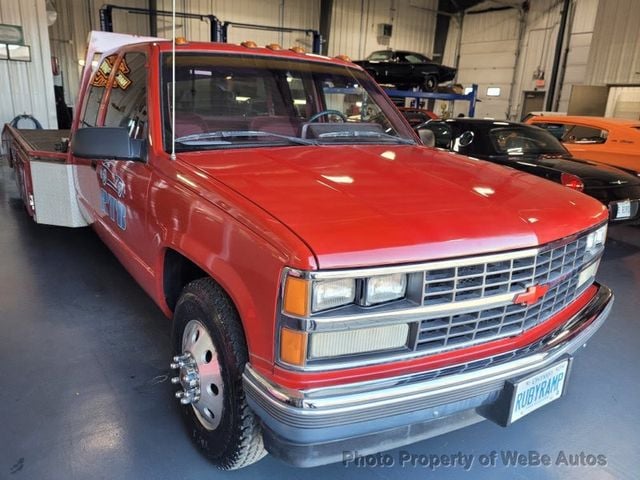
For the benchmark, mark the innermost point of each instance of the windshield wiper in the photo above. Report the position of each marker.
(210, 138)
(365, 134)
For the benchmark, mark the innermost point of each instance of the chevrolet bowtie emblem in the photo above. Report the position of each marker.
(532, 295)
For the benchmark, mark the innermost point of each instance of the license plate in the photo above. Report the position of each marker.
(624, 209)
(538, 390)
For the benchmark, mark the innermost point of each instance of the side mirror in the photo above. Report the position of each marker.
(427, 137)
(106, 143)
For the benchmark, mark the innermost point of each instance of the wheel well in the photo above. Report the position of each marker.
(178, 272)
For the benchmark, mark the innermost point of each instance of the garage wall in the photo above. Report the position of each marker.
(355, 26)
(489, 46)
(27, 87)
(615, 54)
(76, 18)
(487, 57)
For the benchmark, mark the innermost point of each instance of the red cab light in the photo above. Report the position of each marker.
(571, 181)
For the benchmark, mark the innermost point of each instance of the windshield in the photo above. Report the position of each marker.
(522, 140)
(225, 101)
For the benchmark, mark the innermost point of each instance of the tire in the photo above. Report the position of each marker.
(430, 83)
(231, 437)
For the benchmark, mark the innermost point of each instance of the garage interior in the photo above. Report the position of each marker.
(84, 352)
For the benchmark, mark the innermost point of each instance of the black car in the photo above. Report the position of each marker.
(536, 151)
(406, 70)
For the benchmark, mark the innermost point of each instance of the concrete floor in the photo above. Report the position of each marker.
(83, 371)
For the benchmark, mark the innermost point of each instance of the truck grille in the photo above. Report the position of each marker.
(558, 267)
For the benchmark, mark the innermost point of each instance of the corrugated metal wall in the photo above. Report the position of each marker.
(27, 87)
(487, 57)
(355, 26)
(488, 53)
(615, 53)
(584, 19)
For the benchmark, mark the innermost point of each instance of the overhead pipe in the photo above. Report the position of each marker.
(557, 55)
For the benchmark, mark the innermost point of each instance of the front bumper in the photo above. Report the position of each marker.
(314, 427)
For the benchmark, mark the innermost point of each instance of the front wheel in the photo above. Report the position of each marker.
(210, 355)
(430, 83)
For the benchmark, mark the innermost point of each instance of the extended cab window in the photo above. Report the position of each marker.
(128, 100)
(98, 86)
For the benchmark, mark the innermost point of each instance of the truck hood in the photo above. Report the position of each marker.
(377, 205)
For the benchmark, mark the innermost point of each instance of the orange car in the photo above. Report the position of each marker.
(614, 141)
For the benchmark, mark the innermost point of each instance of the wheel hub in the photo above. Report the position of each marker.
(199, 375)
(188, 378)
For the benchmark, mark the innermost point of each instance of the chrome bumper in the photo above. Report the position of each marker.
(313, 427)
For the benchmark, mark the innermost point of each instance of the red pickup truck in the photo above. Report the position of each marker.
(334, 285)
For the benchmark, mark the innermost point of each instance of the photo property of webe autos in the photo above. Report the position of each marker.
(333, 284)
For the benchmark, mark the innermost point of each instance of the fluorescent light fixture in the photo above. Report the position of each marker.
(493, 92)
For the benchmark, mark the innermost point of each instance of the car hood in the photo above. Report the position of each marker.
(592, 173)
(376, 205)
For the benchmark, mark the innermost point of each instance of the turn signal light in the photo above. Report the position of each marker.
(571, 181)
(296, 296)
(297, 49)
(293, 346)
(249, 44)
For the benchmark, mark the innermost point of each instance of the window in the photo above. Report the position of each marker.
(555, 129)
(442, 133)
(381, 56)
(584, 135)
(524, 140)
(128, 100)
(97, 87)
(235, 101)
(412, 58)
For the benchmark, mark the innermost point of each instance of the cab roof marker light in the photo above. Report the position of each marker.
(249, 44)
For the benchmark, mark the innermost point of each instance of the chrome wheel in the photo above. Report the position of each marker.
(199, 375)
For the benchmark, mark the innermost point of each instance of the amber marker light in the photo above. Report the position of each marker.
(344, 58)
(296, 296)
(293, 346)
(249, 44)
(274, 46)
(297, 49)
(181, 41)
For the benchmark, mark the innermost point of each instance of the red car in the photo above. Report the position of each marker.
(333, 285)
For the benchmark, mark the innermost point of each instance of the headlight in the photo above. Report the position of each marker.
(333, 293)
(595, 240)
(384, 288)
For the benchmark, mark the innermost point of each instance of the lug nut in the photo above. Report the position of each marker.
(180, 394)
(175, 380)
(185, 400)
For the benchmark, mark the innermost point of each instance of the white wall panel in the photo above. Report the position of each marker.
(489, 47)
(78, 17)
(27, 87)
(487, 57)
(615, 55)
(355, 26)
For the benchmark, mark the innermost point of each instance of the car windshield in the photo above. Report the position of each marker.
(224, 101)
(523, 140)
